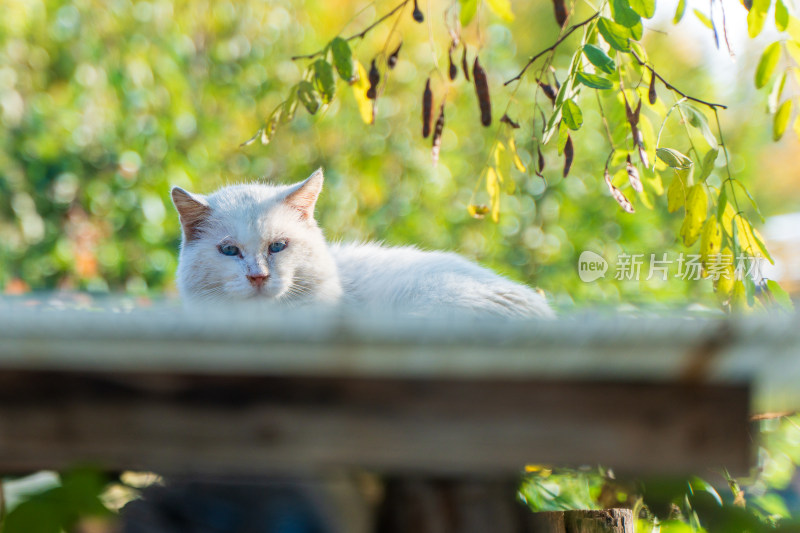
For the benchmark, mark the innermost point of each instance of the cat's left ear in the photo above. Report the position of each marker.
(303, 196)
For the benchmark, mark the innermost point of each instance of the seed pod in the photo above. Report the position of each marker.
(623, 202)
(374, 79)
(510, 121)
(464, 65)
(560, 8)
(437, 136)
(482, 89)
(651, 94)
(417, 14)
(569, 154)
(453, 72)
(392, 60)
(633, 176)
(548, 91)
(643, 156)
(427, 109)
(541, 158)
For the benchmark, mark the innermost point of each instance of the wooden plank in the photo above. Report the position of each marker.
(235, 340)
(182, 423)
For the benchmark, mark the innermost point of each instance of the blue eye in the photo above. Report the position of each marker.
(276, 247)
(229, 249)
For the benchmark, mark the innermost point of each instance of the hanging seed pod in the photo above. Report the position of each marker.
(510, 121)
(417, 14)
(569, 154)
(464, 65)
(620, 198)
(374, 80)
(482, 89)
(651, 94)
(392, 60)
(453, 71)
(633, 176)
(541, 158)
(437, 136)
(548, 91)
(560, 8)
(427, 109)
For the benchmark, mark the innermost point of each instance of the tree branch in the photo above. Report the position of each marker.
(532, 60)
(671, 87)
(359, 35)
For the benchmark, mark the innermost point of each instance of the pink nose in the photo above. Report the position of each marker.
(257, 280)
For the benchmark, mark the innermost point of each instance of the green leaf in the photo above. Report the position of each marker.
(699, 484)
(781, 120)
(679, 11)
(636, 31)
(708, 163)
(501, 8)
(563, 135)
(673, 158)
(615, 35)
(622, 13)
(288, 108)
(704, 19)
(593, 80)
(599, 58)
(698, 120)
(696, 213)
(752, 200)
(722, 202)
(781, 16)
(645, 8)
(323, 80)
(343, 59)
(468, 10)
(767, 63)
(780, 295)
(572, 115)
(308, 96)
(757, 16)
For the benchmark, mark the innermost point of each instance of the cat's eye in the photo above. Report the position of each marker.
(229, 249)
(277, 246)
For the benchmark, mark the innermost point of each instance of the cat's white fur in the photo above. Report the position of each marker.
(251, 217)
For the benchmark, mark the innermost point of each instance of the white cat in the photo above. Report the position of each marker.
(261, 242)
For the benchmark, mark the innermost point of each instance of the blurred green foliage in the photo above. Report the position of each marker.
(105, 105)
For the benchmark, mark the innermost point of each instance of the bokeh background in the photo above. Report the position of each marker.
(105, 105)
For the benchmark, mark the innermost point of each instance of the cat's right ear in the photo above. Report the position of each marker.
(193, 210)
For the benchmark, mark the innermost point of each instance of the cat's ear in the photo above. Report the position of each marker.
(193, 210)
(303, 196)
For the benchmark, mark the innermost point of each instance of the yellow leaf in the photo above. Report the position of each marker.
(676, 193)
(493, 188)
(727, 219)
(696, 213)
(710, 241)
(360, 86)
(724, 284)
(501, 8)
(477, 211)
(512, 146)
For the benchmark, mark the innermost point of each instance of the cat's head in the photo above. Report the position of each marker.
(254, 242)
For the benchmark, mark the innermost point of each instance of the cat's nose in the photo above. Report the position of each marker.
(257, 280)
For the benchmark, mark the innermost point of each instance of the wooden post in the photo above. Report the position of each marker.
(605, 521)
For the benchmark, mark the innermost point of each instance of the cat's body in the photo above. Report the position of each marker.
(261, 242)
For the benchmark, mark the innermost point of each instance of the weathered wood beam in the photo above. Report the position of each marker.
(204, 424)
